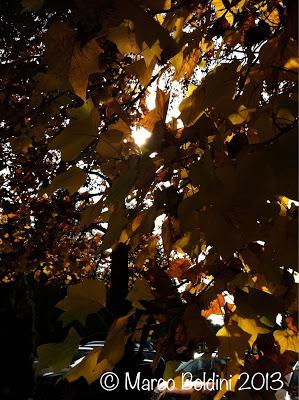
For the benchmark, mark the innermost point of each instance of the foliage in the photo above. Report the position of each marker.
(219, 168)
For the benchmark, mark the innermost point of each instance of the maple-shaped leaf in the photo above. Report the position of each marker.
(208, 95)
(215, 307)
(141, 291)
(84, 62)
(251, 326)
(99, 361)
(71, 180)
(81, 131)
(198, 328)
(89, 368)
(124, 37)
(158, 113)
(287, 340)
(178, 267)
(141, 70)
(69, 65)
(90, 213)
(117, 222)
(233, 343)
(111, 141)
(58, 356)
(152, 40)
(121, 186)
(228, 12)
(85, 298)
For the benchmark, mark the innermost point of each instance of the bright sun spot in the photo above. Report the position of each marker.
(140, 135)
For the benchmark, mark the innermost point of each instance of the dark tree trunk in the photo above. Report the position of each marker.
(117, 302)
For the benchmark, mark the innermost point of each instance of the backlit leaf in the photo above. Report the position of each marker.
(71, 180)
(140, 291)
(87, 297)
(80, 132)
(58, 356)
(287, 340)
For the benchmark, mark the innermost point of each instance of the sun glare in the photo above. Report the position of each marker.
(140, 135)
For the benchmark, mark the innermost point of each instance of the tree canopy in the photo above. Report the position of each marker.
(206, 205)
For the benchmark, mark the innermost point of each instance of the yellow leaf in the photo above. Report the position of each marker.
(273, 18)
(137, 222)
(124, 37)
(287, 339)
(111, 141)
(182, 242)
(219, 8)
(292, 63)
(57, 356)
(101, 360)
(81, 131)
(90, 214)
(89, 368)
(170, 369)
(241, 116)
(84, 62)
(208, 94)
(117, 222)
(141, 70)
(233, 343)
(140, 291)
(115, 343)
(87, 297)
(71, 180)
(158, 113)
(123, 236)
(121, 186)
(69, 66)
(150, 35)
(250, 326)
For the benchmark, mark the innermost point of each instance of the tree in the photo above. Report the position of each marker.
(219, 169)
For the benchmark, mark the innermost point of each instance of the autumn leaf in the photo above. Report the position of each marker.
(85, 298)
(58, 356)
(141, 291)
(89, 368)
(102, 360)
(124, 37)
(178, 267)
(233, 343)
(111, 142)
(207, 95)
(75, 63)
(158, 113)
(152, 40)
(170, 369)
(71, 180)
(84, 62)
(117, 222)
(121, 186)
(250, 326)
(80, 132)
(287, 340)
